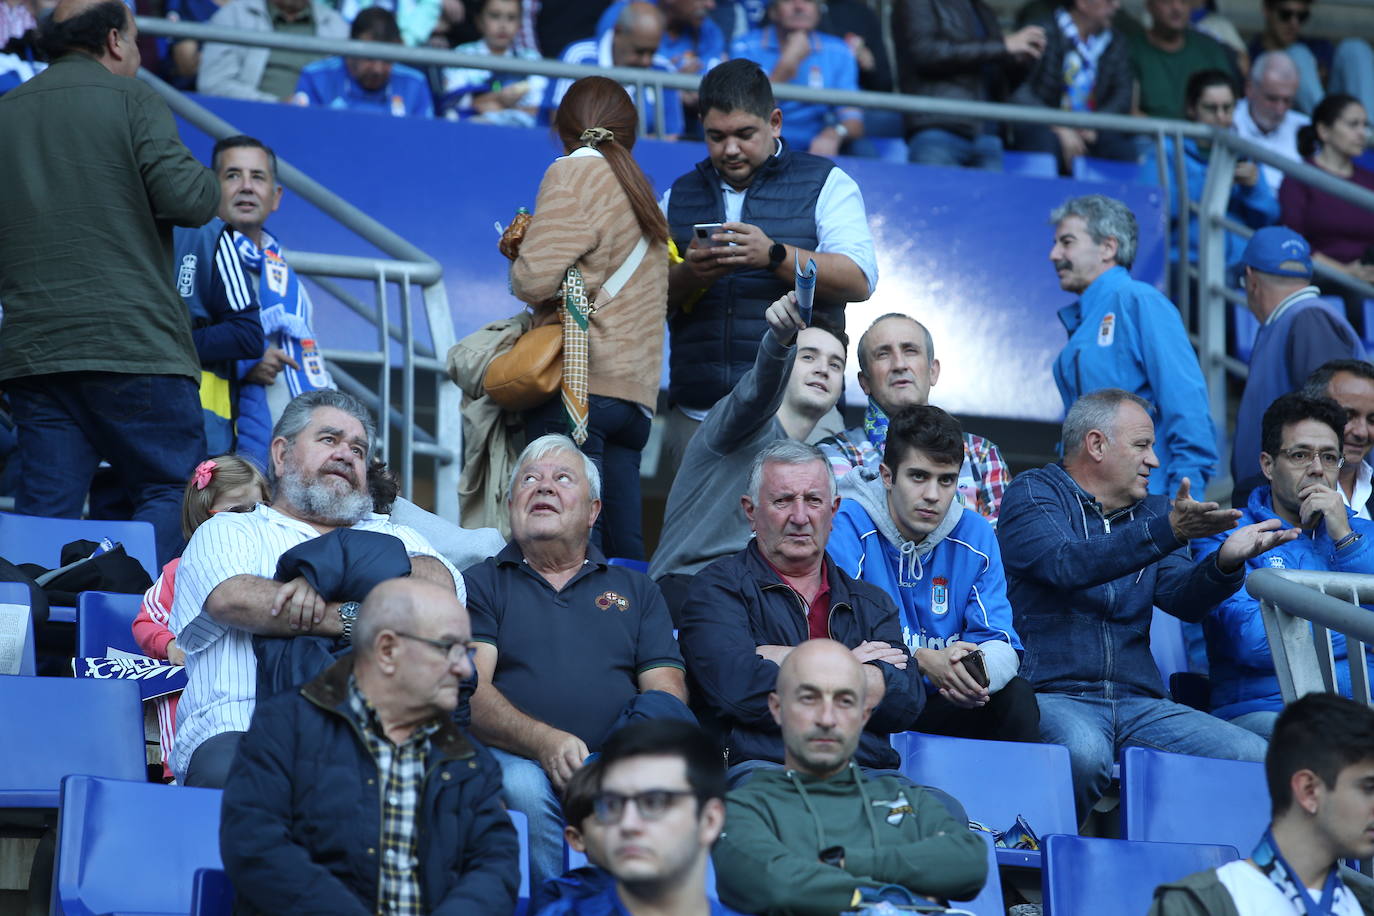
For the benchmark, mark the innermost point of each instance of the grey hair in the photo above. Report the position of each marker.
(1095, 410)
(296, 417)
(545, 446)
(1270, 61)
(863, 338)
(787, 451)
(1105, 218)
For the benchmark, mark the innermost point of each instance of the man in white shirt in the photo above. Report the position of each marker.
(1266, 114)
(1350, 383)
(226, 592)
(1320, 770)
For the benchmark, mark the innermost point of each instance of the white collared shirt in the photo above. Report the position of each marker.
(221, 669)
(1282, 139)
(1364, 488)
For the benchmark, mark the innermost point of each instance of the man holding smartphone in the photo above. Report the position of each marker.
(900, 528)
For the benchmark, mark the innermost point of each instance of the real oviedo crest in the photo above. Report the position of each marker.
(939, 595)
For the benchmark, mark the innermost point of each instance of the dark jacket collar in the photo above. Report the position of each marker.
(762, 572)
(329, 691)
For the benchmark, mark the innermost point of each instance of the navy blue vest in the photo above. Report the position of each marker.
(714, 342)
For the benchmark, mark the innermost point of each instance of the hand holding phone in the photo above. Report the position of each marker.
(704, 231)
(977, 667)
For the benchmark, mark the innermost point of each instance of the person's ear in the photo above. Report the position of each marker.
(1095, 444)
(886, 473)
(573, 837)
(775, 707)
(277, 455)
(747, 505)
(593, 512)
(1267, 465)
(1307, 789)
(711, 821)
(934, 372)
(1110, 248)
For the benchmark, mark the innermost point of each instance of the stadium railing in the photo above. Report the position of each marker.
(1301, 609)
(1208, 315)
(401, 439)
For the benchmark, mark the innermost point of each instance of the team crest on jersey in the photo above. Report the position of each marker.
(186, 276)
(1106, 332)
(608, 600)
(939, 595)
(313, 364)
(1275, 561)
(276, 273)
(897, 809)
(398, 106)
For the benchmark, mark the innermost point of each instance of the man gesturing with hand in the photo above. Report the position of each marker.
(1088, 555)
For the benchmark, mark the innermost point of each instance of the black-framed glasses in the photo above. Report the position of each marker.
(1300, 457)
(609, 807)
(454, 649)
(1292, 15)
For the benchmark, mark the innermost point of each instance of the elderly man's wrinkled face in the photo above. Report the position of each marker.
(794, 513)
(552, 500)
(323, 471)
(1271, 98)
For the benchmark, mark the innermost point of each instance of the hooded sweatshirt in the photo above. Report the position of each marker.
(892, 832)
(948, 587)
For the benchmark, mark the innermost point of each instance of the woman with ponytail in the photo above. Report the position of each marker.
(1341, 234)
(596, 211)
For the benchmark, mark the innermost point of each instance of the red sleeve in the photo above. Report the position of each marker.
(150, 628)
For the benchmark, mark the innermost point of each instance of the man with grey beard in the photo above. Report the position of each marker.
(225, 590)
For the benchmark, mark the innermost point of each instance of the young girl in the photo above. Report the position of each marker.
(512, 99)
(227, 483)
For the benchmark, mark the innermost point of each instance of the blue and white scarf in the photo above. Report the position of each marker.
(1080, 62)
(287, 313)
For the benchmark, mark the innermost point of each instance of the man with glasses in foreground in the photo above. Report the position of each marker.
(1301, 460)
(658, 810)
(358, 794)
(1298, 333)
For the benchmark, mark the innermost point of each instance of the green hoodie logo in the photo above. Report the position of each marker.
(897, 808)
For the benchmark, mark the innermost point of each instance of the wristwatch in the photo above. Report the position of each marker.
(348, 615)
(776, 254)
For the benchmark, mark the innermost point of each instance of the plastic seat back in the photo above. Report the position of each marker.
(103, 863)
(1176, 797)
(989, 900)
(1082, 874)
(522, 839)
(33, 539)
(211, 893)
(1089, 168)
(56, 726)
(104, 621)
(16, 648)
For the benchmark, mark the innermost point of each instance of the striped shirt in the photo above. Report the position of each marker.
(221, 669)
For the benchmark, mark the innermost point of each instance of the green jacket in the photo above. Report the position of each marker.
(1203, 894)
(95, 177)
(892, 832)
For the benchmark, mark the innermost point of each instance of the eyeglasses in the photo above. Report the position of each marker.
(1292, 15)
(1303, 456)
(454, 649)
(652, 805)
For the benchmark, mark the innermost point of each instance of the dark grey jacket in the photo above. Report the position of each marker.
(942, 52)
(1045, 84)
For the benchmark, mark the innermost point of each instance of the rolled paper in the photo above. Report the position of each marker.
(806, 286)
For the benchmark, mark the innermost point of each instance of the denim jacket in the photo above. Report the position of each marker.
(1083, 584)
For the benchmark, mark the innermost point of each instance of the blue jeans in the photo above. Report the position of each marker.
(1094, 729)
(148, 427)
(934, 146)
(617, 432)
(1261, 722)
(526, 788)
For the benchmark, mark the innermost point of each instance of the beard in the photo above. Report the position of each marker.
(320, 501)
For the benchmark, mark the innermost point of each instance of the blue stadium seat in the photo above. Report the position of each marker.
(1180, 798)
(1082, 873)
(31, 539)
(57, 726)
(211, 893)
(1037, 165)
(104, 621)
(1086, 168)
(1367, 323)
(996, 781)
(890, 149)
(1170, 650)
(636, 565)
(989, 900)
(17, 593)
(522, 838)
(103, 833)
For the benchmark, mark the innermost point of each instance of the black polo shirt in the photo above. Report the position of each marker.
(570, 658)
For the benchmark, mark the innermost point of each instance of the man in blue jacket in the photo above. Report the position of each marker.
(1088, 553)
(358, 794)
(1301, 459)
(902, 530)
(1125, 334)
(745, 613)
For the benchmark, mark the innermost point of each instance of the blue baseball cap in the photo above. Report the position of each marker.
(1278, 250)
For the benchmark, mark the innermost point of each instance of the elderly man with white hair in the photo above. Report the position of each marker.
(568, 646)
(1266, 114)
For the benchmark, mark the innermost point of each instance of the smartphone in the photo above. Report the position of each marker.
(704, 231)
(973, 663)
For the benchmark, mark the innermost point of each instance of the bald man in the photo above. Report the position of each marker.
(821, 835)
(358, 794)
(633, 42)
(98, 359)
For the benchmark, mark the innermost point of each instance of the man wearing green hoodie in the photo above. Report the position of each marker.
(819, 836)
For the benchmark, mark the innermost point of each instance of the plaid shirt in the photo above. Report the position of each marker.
(401, 773)
(982, 479)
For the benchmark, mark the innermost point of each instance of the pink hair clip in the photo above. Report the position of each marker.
(204, 471)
